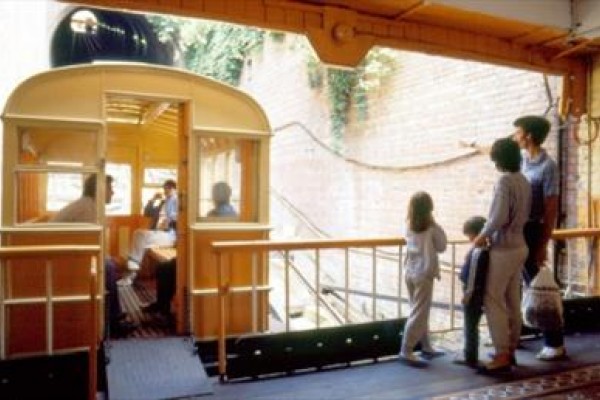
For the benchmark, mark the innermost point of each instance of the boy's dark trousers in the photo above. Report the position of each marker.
(473, 311)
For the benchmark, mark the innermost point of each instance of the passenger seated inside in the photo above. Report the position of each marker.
(84, 210)
(221, 196)
(163, 214)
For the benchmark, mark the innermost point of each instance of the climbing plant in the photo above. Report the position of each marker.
(348, 88)
(214, 49)
(340, 86)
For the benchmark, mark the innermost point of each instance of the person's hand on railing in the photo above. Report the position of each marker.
(480, 241)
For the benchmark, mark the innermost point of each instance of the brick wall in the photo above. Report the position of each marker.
(418, 123)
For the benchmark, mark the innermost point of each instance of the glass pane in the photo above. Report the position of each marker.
(57, 146)
(157, 176)
(154, 179)
(62, 189)
(41, 196)
(227, 186)
(121, 199)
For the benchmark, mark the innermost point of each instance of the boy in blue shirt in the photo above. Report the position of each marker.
(473, 275)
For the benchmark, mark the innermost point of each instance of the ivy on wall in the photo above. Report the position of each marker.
(350, 88)
(213, 49)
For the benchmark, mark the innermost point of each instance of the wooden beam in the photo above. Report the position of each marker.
(365, 30)
(580, 46)
(411, 10)
(343, 35)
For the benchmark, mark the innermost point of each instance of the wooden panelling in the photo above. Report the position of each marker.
(26, 279)
(237, 272)
(26, 326)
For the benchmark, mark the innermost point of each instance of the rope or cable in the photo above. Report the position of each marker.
(449, 160)
(307, 222)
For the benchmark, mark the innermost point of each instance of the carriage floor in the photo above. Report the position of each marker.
(133, 297)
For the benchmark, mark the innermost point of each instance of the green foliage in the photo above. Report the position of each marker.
(340, 87)
(212, 49)
(315, 73)
(351, 87)
(277, 37)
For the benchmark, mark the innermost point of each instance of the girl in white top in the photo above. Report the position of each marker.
(424, 240)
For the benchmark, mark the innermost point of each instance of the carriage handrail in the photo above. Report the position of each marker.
(274, 245)
(559, 234)
(34, 251)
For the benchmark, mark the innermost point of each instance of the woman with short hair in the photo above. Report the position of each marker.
(503, 231)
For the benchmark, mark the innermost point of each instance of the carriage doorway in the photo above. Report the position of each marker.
(145, 148)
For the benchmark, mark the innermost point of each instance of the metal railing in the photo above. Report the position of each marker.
(226, 249)
(446, 301)
(580, 255)
(48, 252)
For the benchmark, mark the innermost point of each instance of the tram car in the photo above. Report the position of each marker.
(102, 142)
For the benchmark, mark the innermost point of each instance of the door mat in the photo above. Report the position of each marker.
(146, 369)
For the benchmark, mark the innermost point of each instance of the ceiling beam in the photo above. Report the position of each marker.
(342, 36)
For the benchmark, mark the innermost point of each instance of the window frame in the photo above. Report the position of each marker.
(15, 167)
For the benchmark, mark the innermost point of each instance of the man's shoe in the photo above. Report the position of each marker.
(132, 265)
(122, 329)
(552, 353)
(412, 361)
(164, 321)
(513, 358)
(431, 354)
(151, 308)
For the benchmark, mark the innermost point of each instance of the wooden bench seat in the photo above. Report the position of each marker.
(153, 256)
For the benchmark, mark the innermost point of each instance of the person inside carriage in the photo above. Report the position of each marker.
(84, 210)
(162, 210)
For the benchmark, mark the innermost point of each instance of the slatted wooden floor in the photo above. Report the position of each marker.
(132, 298)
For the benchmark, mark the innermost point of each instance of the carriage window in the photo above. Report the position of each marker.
(52, 146)
(121, 199)
(62, 189)
(49, 173)
(154, 179)
(40, 195)
(228, 179)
